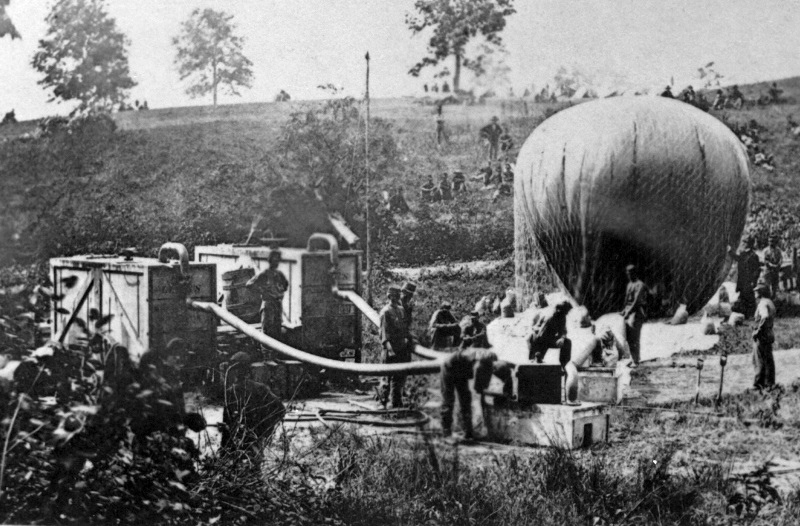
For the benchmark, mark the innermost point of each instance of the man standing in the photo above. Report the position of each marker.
(407, 292)
(442, 327)
(396, 342)
(492, 132)
(747, 272)
(474, 334)
(457, 370)
(272, 285)
(550, 331)
(506, 144)
(440, 136)
(634, 312)
(445, 189)
(763, 338)
(773, 258)
(426, 190)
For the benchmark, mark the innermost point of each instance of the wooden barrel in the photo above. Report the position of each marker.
(239, 300)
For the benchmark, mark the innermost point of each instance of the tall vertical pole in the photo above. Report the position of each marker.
(366, 186)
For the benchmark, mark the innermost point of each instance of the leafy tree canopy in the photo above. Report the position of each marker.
(210, 55)
(454, 24)
(83, 57)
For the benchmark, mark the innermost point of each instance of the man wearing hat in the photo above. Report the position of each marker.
(396, 342)
(549, 331)
(667, 93)
(474, 334)
(442, 327)
(272, 285)
(763, 338)
(426, 190)
(457, 370)
(407, 301)
(773, 258)
(747, 272)
(604, 349)
(459, 181)
(492, 132)
(635, 311)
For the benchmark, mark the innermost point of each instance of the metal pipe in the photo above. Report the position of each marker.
(179, 252)
(370, 369)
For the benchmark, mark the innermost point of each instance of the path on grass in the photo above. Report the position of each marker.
(673, 380)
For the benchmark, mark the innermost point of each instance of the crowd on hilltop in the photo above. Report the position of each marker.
(496, 176)
(733, 98)
(135, 107)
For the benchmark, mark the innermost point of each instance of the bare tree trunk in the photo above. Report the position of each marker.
(457, 75)
(214, 83)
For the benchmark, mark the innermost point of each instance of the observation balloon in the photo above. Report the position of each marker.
(643, 180)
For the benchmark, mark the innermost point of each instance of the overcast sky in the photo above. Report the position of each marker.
(296, 45)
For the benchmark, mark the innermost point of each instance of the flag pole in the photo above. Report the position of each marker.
(366, 164)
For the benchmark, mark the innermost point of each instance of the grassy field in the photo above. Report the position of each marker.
(197, 175)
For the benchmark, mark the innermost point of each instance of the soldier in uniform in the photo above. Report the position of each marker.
(272, 285)
(457, 370)
(445, 189)
(773, 258)
(634, 312)
(426, 190)
(492, 132)
(443, 326)
(763, 338)
(667, 93)
(550, 331)
(396, 342)
(747, 272)
(459, 181)
(506, 144)
(474, 334)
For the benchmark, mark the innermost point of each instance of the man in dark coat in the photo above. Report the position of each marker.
(445, 188)
(444, 326)
(396, 342)
(459, 181)
(763, 338)
(634, 311)
(667, 93)
(492, 132)
(426, 190)
(457, 370)
(747, 273)
(272, 285)
(474, 334)
(550, 331)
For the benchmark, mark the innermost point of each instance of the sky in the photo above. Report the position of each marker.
(296, 45)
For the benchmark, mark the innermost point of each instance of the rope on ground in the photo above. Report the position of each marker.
(352, 417)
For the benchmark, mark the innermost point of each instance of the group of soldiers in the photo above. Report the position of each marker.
(733, 99)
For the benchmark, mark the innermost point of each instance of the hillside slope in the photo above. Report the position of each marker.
(201, 175)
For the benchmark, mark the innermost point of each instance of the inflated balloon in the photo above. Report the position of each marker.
(643, 180)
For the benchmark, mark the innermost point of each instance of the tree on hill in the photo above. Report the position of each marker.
(6, 25)
(83, 57)
(454, 24)
(210, 54)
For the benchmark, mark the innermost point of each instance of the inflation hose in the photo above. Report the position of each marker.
(366, 369)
